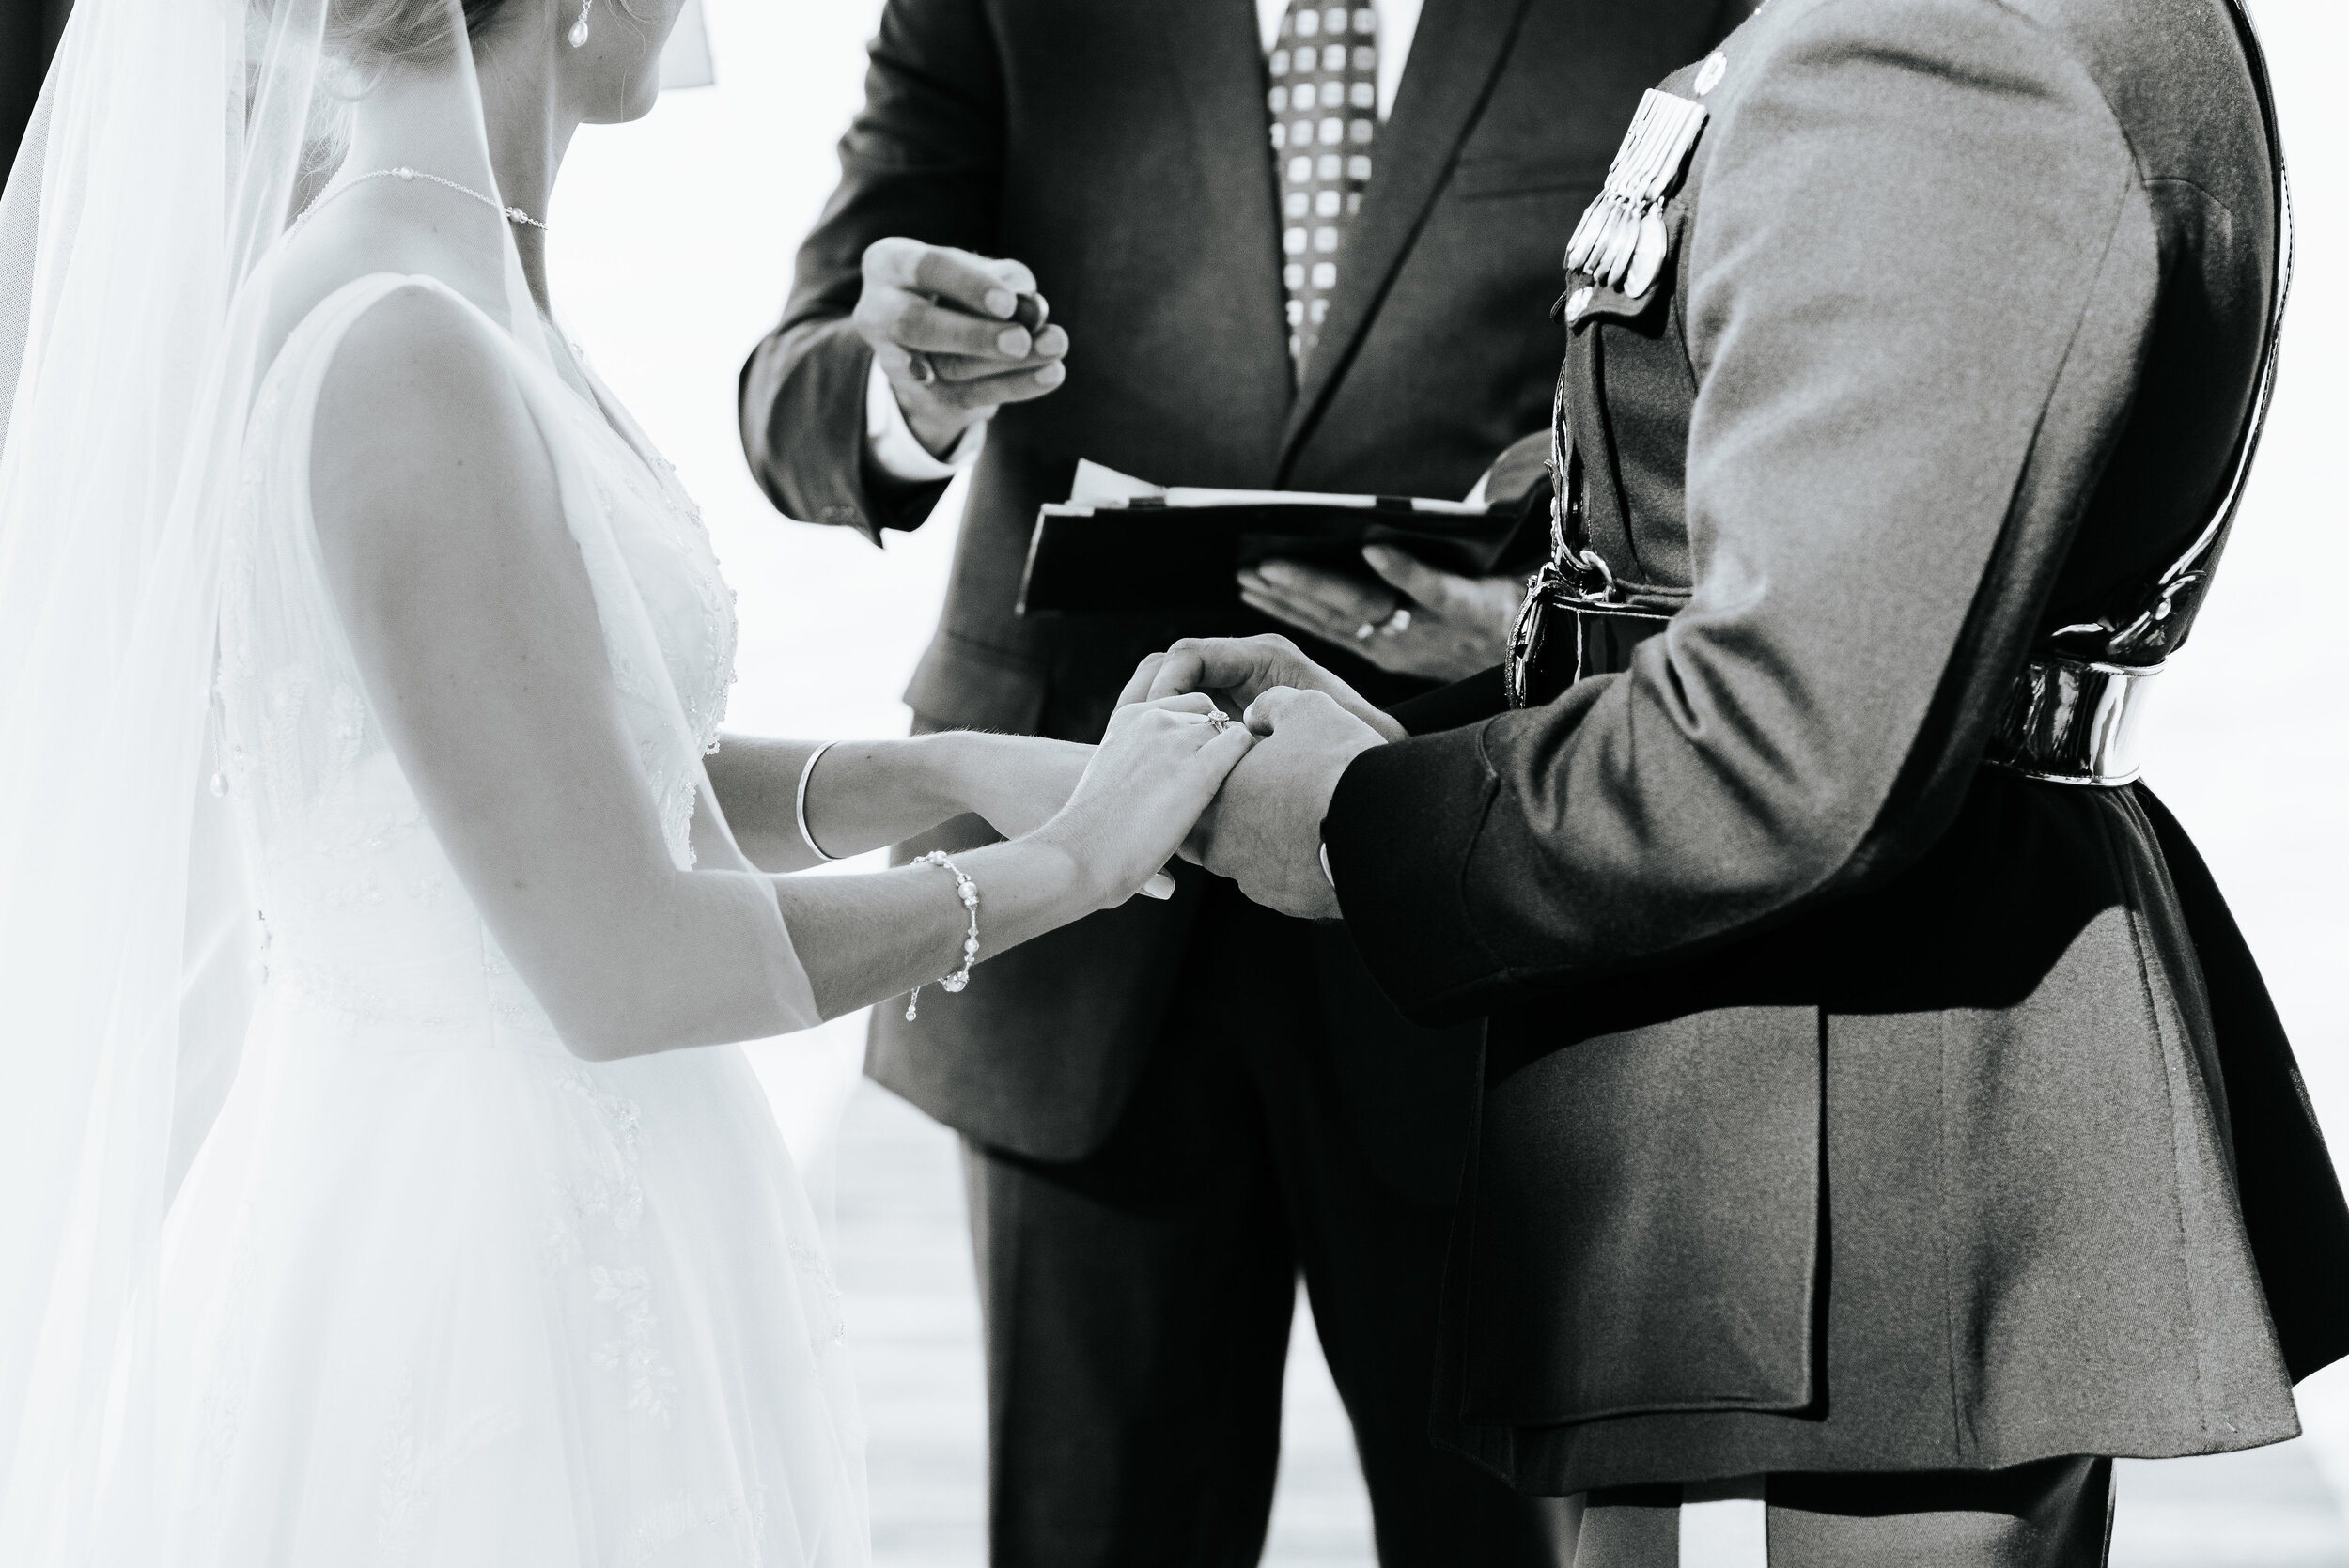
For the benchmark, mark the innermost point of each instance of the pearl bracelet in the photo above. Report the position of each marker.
(968, 891)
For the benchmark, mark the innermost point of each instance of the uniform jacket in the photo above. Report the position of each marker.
(1850, 1104)
(1123, 152)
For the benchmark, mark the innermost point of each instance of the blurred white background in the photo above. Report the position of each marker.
(672, 246)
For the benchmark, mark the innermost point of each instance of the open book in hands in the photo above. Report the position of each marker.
(1121, 545)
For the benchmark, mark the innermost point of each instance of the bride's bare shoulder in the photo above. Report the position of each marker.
(422, 440)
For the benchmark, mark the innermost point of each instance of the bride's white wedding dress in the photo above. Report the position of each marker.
(435, 1291)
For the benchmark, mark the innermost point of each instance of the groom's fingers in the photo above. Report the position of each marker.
(1220, 663)
(1180, 669)
(1137, 683)
(1285, 706)
(1265, 714)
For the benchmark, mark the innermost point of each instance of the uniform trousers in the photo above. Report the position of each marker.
(2056, 1513)
(1137, 1302)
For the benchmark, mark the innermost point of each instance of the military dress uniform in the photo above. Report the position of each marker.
(1882, 1117)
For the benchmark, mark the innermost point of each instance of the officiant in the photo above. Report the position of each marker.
(1204, 242)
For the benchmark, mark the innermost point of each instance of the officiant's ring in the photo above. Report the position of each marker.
(918, 365)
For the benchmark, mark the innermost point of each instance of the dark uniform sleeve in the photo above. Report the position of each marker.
(1919, 281)
(922, 158)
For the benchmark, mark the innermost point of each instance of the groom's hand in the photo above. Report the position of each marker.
(958, 335)
(1239, 670)
(1264, 830)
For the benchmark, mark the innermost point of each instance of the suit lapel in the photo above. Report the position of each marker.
(1453, 59)
(1216, 53)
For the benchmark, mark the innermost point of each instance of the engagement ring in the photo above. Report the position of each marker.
(1220, 721)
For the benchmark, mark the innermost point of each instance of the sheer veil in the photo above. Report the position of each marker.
(146, 281)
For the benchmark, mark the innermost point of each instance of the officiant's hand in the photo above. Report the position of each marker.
(1264, 830)
(1422, 622)
(1236, 671)
(957, 334)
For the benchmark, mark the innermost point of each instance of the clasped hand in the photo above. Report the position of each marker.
(1263, 830)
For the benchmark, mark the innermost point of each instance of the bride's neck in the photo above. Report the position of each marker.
(529, 127)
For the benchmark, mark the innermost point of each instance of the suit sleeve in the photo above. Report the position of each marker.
(1914, 310)
(924, 158)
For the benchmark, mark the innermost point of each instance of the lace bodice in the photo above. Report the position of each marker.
(360, 909)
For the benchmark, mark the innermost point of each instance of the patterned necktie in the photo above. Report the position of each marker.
(1325, 113)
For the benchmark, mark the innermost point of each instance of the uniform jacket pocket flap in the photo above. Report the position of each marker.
(1644, 1223)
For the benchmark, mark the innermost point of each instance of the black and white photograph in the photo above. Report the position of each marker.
(1174, 783)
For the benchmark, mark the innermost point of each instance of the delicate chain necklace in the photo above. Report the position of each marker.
(514, 214)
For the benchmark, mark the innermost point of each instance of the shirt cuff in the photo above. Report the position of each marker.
(893, 447)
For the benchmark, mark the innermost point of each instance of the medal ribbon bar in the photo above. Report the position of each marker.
(1621, 241)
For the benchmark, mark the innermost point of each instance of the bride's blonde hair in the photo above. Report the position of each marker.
(385, 31)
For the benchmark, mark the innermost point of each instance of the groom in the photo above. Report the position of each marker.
(1882, 1121)
(1295, 244)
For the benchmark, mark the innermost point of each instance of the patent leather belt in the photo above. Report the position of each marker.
(2065, 720)
(2073, 720)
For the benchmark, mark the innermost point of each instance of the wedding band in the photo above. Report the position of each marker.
(1364, 632)
(1397, 623)
(918, 365)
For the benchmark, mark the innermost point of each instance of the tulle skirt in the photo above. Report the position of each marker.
(451, 1298)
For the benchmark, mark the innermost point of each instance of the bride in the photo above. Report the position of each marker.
(362, 880)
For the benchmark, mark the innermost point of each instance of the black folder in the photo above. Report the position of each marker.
(1180, 549)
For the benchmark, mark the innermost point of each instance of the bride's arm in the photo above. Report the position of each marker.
(864, 794)
(477, 634)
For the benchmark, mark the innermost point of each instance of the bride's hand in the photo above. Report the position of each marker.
(1156, 771)
(1018, 783)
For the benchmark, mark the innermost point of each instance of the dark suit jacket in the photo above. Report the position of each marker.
(1123, 152)
(1850, 1106)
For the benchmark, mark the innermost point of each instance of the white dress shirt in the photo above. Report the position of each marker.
(891, 441)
